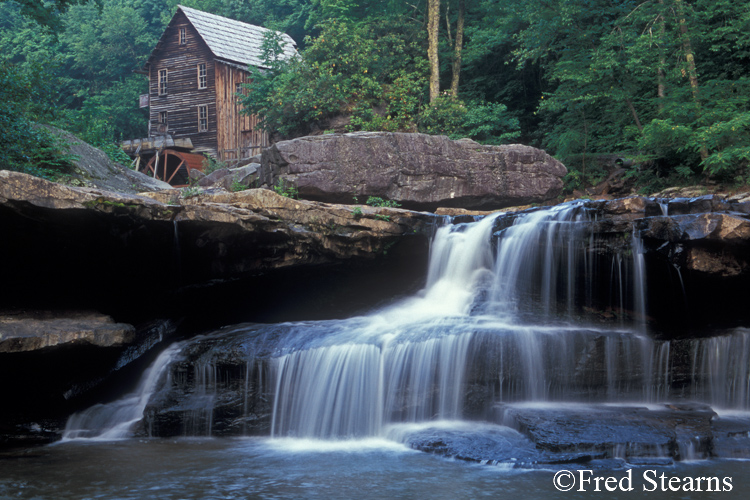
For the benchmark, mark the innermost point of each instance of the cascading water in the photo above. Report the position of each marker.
(416, 361)
(507, 315)
(115, 420)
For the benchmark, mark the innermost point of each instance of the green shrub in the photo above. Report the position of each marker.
(375, 201)
(238, 186)
(211, 164)
(286, 189)
(25, 146)
(485, 122)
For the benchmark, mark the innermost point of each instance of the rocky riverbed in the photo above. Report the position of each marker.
(95, 279)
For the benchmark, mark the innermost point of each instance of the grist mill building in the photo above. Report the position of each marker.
(195, 73)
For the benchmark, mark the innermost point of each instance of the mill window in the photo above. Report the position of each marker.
(202, 76)
(202, 118)
(183, 36)
(162, 82)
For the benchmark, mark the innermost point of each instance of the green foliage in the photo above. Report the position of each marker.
(386, 218)
(115, 153)
(46, 13)
(357, 212)
(211, 164)
(190, 191)
(238, 186)
(372, 72)
(604, 63)
(444, 116)
(576, 78)
(24, 146)
(483, 121)
(375, 201)
(364, 70)
(287, 189)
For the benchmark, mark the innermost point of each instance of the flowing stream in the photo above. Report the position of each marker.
(510, 315)
(500, 314)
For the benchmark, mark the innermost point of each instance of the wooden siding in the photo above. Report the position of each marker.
(238, 135)
(183, 95)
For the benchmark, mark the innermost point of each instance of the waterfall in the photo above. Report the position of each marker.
(721, 370)
(540, 255)
(529, 307)
(114, 420)
(404, 363)
(483, 319)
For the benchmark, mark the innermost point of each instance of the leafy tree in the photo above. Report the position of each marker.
(24, 146)
(357, 69)
(632, 76)
(102, 49)
(46, 13)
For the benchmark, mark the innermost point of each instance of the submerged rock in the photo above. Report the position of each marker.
(591, 436)
(419, 171)
(488, 444)
(678, 431)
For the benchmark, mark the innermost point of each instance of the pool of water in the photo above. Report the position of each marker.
(256, 468)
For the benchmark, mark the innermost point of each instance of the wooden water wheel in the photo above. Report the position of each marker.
(174, 167)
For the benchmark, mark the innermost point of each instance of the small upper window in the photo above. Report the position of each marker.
(202, 76)
(239, 91)
(163, 117)
(162, 82)
(202, 118)
(183, 36)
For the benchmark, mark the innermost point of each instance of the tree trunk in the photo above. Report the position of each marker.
(433, 18)
(458, 47)
(661, 78)
(634, 113)
(692, 72)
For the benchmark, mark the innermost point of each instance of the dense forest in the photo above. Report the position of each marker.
(662, 82)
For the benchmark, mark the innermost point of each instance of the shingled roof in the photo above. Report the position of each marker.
(234, 41)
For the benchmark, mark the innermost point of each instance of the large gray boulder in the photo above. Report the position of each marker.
(93, 168)
(417, 170)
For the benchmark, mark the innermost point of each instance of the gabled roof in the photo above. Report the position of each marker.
(230, 40)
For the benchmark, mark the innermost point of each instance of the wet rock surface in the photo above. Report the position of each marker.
(219, 387)
(419, 171)
(142, 252)
(64, 361)
(592, 436)
(680, 431)
(696, 255)
(491, 444)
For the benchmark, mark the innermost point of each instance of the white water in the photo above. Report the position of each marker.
(496, 322)
(405, 363)
(409, 363)
(114, 420)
